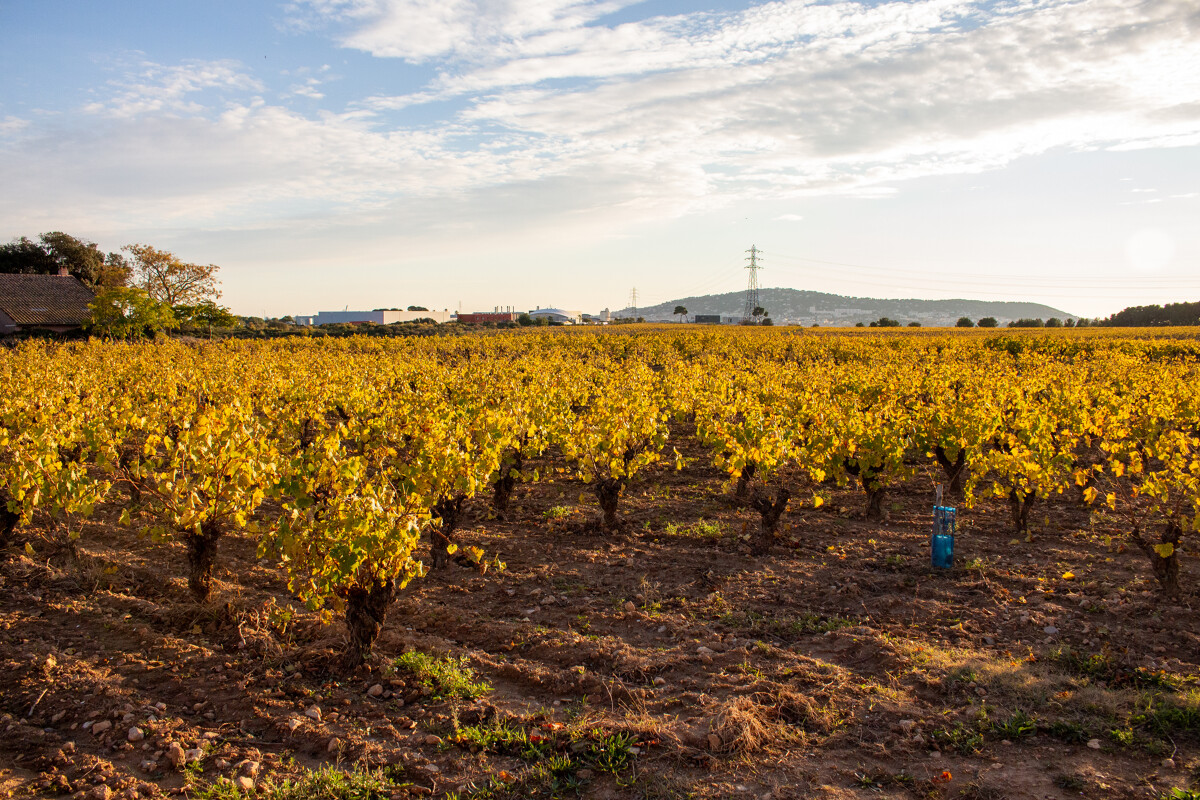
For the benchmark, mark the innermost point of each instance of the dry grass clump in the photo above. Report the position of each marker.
(761, 721)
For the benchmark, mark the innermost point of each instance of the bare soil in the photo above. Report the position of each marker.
(839, 665)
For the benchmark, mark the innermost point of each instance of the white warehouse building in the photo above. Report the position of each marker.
(379, 317)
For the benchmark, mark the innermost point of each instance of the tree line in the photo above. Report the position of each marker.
(139, 291)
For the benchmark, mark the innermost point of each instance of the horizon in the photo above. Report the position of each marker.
(374, 153)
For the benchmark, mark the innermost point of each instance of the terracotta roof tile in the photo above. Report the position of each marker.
(44, 299)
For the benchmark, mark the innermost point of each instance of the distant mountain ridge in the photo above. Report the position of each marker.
(796, 307)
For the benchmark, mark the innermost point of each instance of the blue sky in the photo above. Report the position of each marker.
(368, 153)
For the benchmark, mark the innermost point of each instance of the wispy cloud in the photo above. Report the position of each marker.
(150, 88)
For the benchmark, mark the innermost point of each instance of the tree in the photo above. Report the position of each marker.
(167, 279)
(988, 322)
(207, 314)
(524, 320)
(128, 313)
(1025, 322)
(417, 308)
(1054, 322)
(964, 322)
(681, 311)
(914, 324)
(58, 251)
(758, 313)
(885, 322)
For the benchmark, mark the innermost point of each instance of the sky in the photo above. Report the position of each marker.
(531, 153)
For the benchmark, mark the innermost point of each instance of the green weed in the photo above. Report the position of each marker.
(445, 677)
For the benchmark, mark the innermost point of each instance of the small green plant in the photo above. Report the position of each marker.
(610, 753)
(558, 512)
(1122, 736)
(445, 677)
(960, 739)
(326, 783)
(1070, 732)
(1182, 794)
(1019, 726)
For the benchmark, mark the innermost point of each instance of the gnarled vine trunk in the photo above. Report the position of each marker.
(366, 611)
(955, 470)
(608, 492)
(448, 510)
(770, 510)
(1020, 510)
(8, 520)
(744, 479)
(1166, 568)
(202, 555)
(503, 488)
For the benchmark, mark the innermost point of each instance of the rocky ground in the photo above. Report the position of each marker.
(661, 662)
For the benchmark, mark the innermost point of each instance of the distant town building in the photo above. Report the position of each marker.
(57, 303)
(481, 317)
(559, 315)
(377, 317)
(715, 319)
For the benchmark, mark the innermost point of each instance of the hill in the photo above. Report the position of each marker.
(793, 306)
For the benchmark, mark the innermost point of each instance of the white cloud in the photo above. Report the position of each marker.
(658, 117)
(150, 88)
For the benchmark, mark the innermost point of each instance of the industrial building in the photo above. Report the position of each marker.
(558, 315)
(380, 316)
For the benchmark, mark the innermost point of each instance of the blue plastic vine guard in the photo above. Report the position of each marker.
(941, 544)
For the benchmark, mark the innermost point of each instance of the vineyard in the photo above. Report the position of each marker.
(639, 563)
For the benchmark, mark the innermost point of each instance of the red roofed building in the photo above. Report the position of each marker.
(57, 303)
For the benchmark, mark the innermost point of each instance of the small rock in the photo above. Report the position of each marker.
(313, 713)
(585, 774)
(660, 681)
(175, 755)
(248, 768)
(101, 792)
(704, 651)
(244, 783)
(100, 727)
(1050, 630)
(149, 765)
(376, 690)
(68, 747)
(434, 768)
(294, 722)
(432, 740)
(1168, 763)
(989, 640)
(908, 725)
(714, 742)
(135, 734)
(193, 755)
(333, 745)
(1094, 744)
(629, 606)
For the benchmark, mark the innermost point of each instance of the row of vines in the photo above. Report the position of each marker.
(340, 456)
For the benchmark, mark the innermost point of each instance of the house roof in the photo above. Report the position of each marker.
(44, 299)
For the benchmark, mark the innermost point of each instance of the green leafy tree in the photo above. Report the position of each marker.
(988, 322)
(207, 314)
(964, 322)
(681, 311)
(56, 251)
(128, 313)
